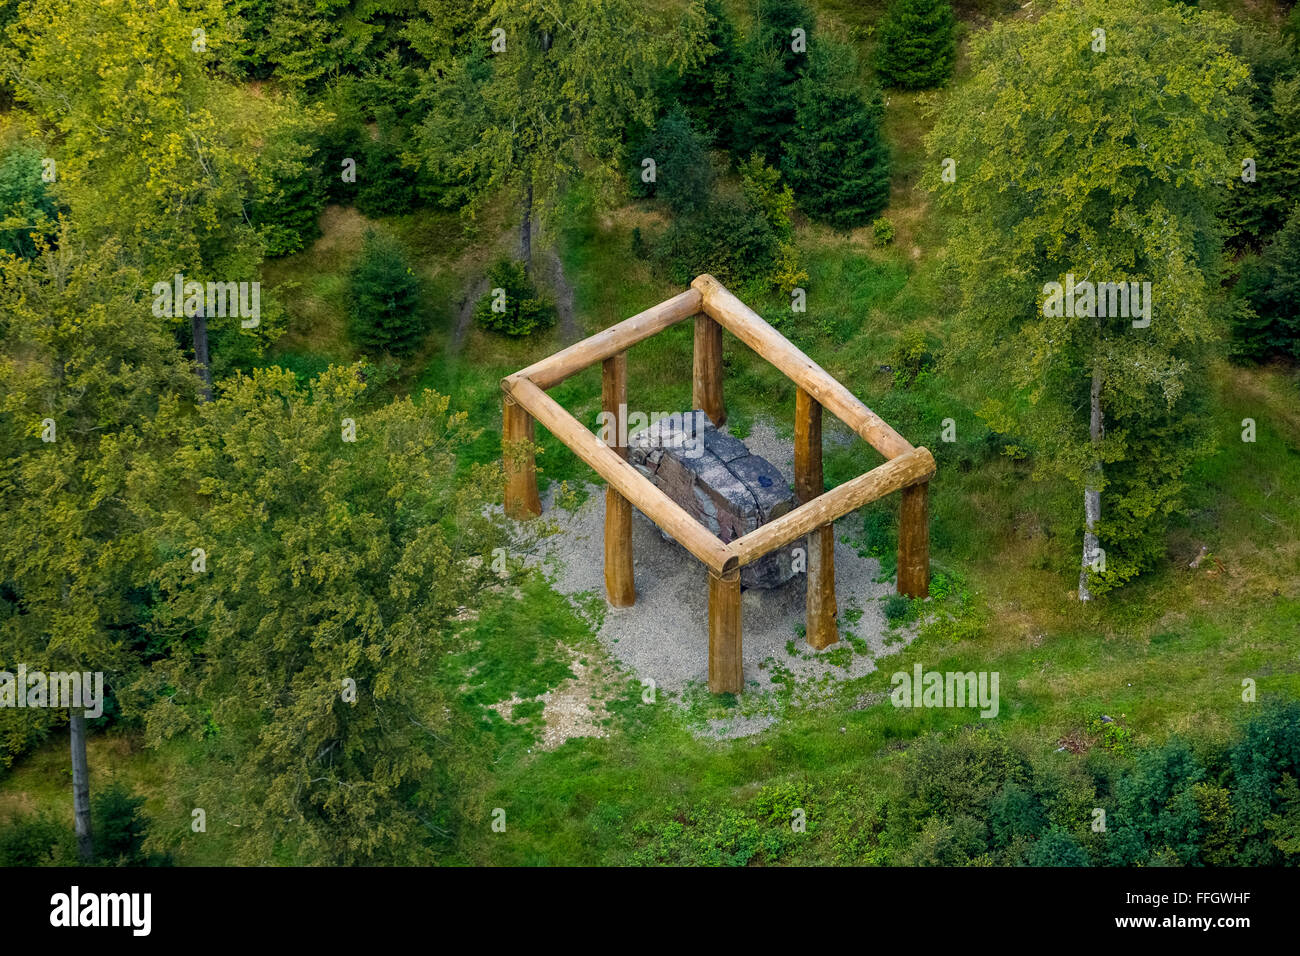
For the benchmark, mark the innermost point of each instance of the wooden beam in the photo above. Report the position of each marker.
(629, 482)
(819, 621)
(522, 501)
(554, 369)
(706, 379)
(914, 541)
(620, 588)
(744, 323)
(907, 469)
(807, 448)
(726, 667)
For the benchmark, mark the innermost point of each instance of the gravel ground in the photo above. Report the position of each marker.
(664, 636)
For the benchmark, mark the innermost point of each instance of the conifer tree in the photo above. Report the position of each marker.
(917, 44)
(385, 308)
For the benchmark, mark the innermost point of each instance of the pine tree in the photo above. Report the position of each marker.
(710, 90)
(1270, 285)
(385, 301)
(917, 44)
(683, 170)
(776, 57)
(836, 159)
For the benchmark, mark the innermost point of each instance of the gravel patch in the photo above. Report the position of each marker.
(664, 636)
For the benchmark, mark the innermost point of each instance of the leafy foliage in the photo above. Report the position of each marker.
(331, 565)
(1086, 204)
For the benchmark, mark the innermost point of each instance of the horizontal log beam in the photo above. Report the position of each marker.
(554, 369)
(907, 469)
(625, 479)
(748, 326)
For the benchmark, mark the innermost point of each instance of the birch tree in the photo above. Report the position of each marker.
(1094, 146)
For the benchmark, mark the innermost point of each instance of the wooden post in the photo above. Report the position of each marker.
(620, 588)
(914, 541)
(707, 377)
(726, 668)
(521, 469)
(821, 607)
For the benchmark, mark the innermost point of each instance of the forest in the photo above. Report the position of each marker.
(264, 265)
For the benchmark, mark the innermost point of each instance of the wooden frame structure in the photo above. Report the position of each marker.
(907, 469)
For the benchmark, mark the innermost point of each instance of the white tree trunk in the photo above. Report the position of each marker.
(1092, 492)
(81, 786)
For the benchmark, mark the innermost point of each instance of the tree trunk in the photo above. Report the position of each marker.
(199, 328)
(81, 786)
(1092, 492)
(526, 230)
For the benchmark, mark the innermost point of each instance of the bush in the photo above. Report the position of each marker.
(917, 44)
(384, 307)
(729, 239)
(882, 231)
(764, 191)
(910, 358)
(512, 305)
(897, 609)
(37, 840)
(120, 828)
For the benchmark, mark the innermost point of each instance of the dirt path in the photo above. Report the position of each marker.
(465, 315)
(567, 321)
(551, 274)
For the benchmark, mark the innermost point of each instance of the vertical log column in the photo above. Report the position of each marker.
(619, 586)
(914, 541)
(706, 379)
(821, 607)
(521, 468)
(726, 669)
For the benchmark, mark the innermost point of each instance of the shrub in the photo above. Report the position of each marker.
(910, 358)
(897, 609)
(120, 828)
(763, 189)
(882, 231)
(385, 310)
(37, 840)
(729, 238)
(512, 305)
(917, 44)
